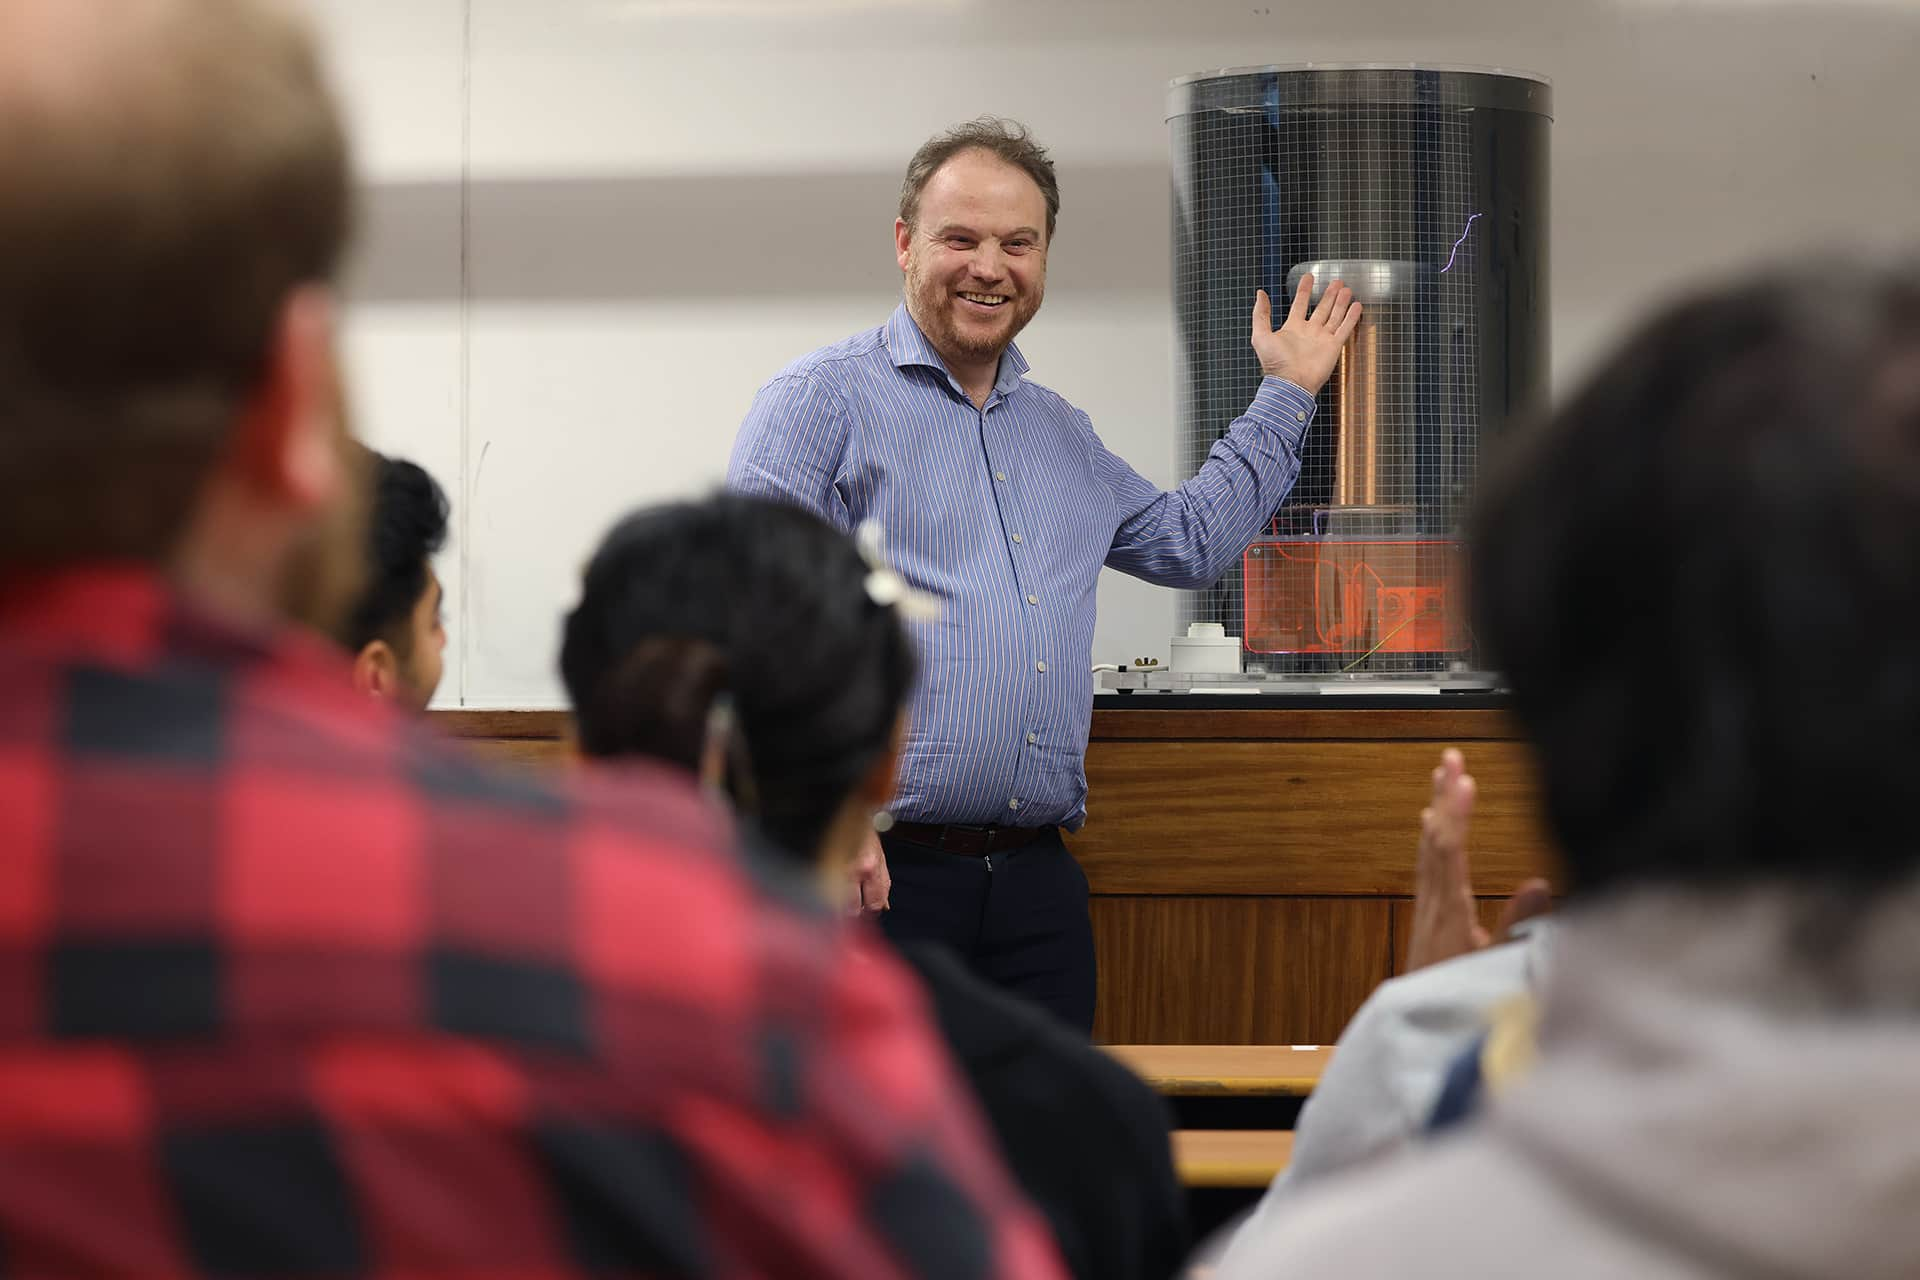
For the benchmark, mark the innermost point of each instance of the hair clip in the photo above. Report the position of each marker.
(723, 756)
(885, 586)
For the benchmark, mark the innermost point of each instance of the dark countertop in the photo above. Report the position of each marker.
(1142, 700)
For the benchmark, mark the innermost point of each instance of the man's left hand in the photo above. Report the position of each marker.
(872, 883)
(1305, 349)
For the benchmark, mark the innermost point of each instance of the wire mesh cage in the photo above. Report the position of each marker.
(1425, 190)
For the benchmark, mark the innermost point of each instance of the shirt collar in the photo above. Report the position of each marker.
(909, 346)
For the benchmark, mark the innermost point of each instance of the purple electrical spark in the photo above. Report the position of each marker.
(1464, 233)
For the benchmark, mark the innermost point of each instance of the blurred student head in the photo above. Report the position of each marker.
(395, 631)
(1697, 578)
(763, 609)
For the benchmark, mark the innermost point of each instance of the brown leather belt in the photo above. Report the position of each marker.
(955, 837)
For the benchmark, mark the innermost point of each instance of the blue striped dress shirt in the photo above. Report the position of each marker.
(1006, 514)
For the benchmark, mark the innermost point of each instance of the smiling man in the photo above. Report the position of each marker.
(996, 496)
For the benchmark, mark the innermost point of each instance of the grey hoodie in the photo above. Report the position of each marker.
(1728, 1086)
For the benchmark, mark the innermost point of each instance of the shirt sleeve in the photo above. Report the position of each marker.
(1379, 1088)
(1190, 536)
(793, 447)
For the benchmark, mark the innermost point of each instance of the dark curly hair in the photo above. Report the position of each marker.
(1699, 578)
(406, 528)
(756, 599)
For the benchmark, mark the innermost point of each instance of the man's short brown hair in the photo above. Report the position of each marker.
(1007, 140)
(161, 195)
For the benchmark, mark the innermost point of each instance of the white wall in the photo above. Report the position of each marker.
(401, 69)
(595, 226)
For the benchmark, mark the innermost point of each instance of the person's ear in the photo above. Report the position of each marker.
(290, 430)
(376, 670)
(902, 241)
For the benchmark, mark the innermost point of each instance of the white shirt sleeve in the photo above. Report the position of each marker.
(1380, 1085)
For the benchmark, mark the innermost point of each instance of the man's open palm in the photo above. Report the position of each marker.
(1305, 349)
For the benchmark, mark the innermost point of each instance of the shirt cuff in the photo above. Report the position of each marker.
(1283, 406)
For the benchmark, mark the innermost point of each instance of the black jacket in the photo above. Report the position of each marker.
(1085, 1137)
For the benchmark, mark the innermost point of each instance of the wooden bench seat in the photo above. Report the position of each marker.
(1237, 1158)
(1226, 1070)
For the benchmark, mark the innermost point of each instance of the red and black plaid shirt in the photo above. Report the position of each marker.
(287, 989)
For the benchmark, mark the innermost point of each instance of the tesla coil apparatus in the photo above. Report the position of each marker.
(1425, 190)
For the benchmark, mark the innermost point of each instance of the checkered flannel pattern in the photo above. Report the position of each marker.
(288, 989)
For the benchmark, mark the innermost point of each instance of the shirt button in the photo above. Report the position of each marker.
(1016, 537)
(1014, 803)
(1299, 415)
(1033, 599)
(1001, 476)
(1033, 737)
(1040, 666)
